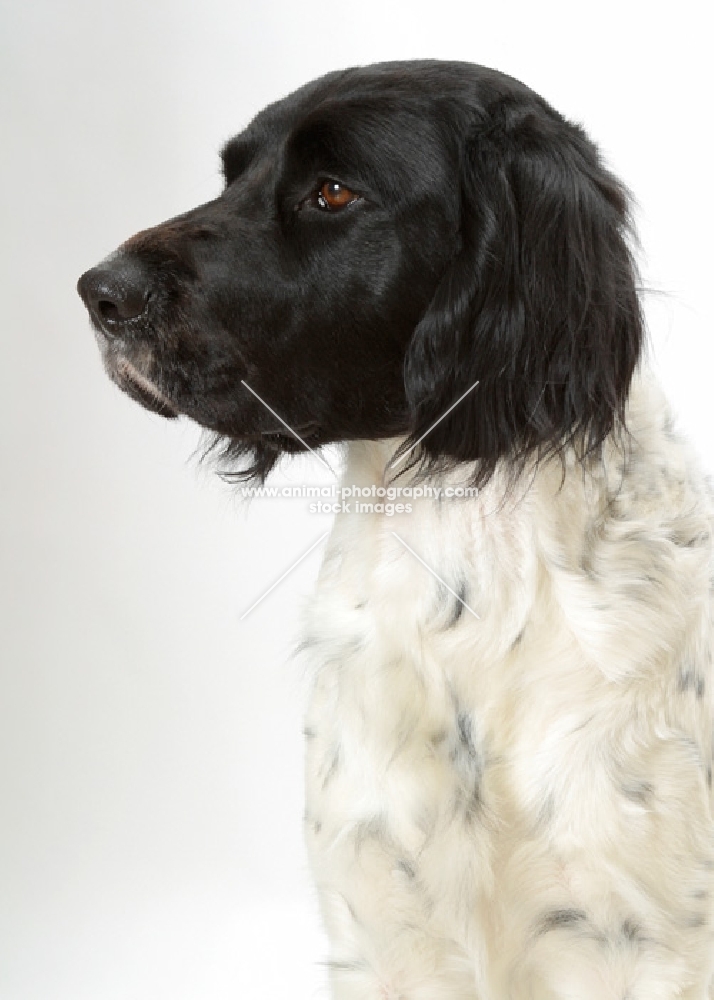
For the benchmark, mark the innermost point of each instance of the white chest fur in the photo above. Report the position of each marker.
(531, 758)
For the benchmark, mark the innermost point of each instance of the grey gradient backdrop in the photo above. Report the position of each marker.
(150, 748)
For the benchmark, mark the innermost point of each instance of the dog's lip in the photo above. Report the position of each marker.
(304, 436)
(146, 392)
(304, 430)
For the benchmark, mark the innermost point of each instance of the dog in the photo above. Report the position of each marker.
(509, 736)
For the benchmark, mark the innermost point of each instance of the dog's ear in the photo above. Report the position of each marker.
(539, 306)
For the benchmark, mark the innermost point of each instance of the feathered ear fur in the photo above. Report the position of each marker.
(539, 306)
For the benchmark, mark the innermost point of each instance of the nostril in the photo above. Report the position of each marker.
(121, 302)
(108, 310)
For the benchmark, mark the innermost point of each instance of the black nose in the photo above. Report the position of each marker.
(115, 292)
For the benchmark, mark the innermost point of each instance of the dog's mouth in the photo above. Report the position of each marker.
(293, 439)
(129, 376)
(141, 389)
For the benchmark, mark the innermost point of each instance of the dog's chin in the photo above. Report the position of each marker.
(140, 388)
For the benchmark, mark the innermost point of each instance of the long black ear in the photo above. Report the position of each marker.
(539, 306)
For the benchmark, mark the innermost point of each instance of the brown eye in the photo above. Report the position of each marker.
(333, 195)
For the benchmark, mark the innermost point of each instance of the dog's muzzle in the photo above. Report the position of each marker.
(116, 294)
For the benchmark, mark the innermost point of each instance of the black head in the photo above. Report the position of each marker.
(387, 237)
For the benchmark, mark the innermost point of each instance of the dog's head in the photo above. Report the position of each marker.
(387, 237)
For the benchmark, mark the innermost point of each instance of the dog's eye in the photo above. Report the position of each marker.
(333, 196)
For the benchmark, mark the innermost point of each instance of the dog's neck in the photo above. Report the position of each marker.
(382, 463)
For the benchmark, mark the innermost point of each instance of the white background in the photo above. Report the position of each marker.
(150, 742)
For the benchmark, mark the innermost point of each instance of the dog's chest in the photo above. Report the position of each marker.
(501, 694)
(424, 719)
